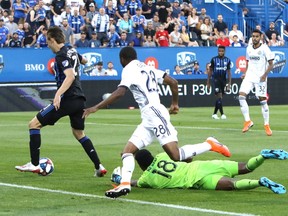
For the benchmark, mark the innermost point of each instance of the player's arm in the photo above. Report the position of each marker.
(69, 79)
(209, 74)
(269, 68)
(173, 83)
(118, 93)
(82, 59)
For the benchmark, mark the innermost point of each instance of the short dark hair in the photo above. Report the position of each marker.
(221, 47)
(128, 53)
(257, 31)
(56, 33)
(144, 158)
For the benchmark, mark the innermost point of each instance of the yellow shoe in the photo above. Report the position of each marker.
(216, 146)
(268, 130)
(247, 126)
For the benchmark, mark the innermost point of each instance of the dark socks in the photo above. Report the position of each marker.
(35, 143)
(90, 150)
(218, 106)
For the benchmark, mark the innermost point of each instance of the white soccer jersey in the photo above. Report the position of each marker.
(142, 80)
(258, 62)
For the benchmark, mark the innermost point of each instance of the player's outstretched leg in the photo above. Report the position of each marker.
(273, 186)
(29, 167)
(274, 154)
(101, 171)
(216, 146)
(121, 190)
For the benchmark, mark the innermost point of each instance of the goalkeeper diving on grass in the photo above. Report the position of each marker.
(162, 172)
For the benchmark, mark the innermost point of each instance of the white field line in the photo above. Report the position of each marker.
(134, 125)
(125, 200)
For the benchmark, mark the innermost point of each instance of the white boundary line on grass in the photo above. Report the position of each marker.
(128, 125)
(125, 200)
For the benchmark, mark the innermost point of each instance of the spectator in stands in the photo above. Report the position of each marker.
(68, 32)
(15, 42)
(42, 19)
(11, 25)
(110, 10)
(138, 21)
(219, 26)
(162, 37)
(77, 23)
(148, 10)
(126, 25)
(82, 42)
(75, 5)
(138, 40)
(29, 36)
(89, 16)
(19, 9)
(113, 37)
(163, 8)
(170, 24)
(207, 32)
(94, 42)
(272, 30)
(110, 71)
(183, 19)
(99, 70)
(193, 21)
(149, 42)
(177, 70)
(42, 38)
(100, 22)
(114, 3)
(122, 8)
(175, 9)
(196, 68)
(88, 3)
(203, 14)
(156, 22)
(174, 37)
(57, 7)
(5, 15)
(186, 39)
(236, 42)
(236, 31)
(207, 68)
(149, 31)
(4, 34)
(275, 42)
(132, 5)
(123, 42)
(223, 40)
(6, 5)
(20, 32)
(32, 18)
(67, 13)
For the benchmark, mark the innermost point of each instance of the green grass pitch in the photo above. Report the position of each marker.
(72, 189)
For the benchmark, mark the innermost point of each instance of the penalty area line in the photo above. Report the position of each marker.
(125, 200)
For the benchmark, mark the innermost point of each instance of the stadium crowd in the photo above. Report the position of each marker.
(119, 23)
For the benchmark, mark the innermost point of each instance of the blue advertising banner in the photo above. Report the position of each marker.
(35, 65)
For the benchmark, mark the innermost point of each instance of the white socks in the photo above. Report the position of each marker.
(128, 167)
(244, 107)
(190, 150)
(265, 111)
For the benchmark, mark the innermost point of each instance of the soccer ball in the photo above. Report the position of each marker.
(46, 165)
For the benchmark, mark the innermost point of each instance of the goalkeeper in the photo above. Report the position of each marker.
(162, 172)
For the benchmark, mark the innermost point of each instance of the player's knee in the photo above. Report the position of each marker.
(174, 156)
(34, 124)
(242, 97)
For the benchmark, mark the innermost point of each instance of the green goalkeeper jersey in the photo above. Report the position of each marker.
(165, 173)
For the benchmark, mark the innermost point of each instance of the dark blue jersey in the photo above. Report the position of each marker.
(67, 58)
(219, 67)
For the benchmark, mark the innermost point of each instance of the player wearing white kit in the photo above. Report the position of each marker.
(259, 63)
(142, 80)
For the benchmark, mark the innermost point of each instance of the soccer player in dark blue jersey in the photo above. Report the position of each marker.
(69, 101)
(219, 71)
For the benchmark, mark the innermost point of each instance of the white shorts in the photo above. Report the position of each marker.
(260, 88)
(155, 125)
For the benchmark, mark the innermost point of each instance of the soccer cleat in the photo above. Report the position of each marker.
(223, 116)
(29, 167)
(275, 187)
(214, 116)
(123, 189)
(247, 126)
(101, 171)
(268, 130)
(274, 154)
(216, 146)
